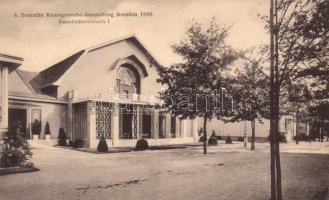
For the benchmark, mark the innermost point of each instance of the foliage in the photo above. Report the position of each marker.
(47, 129)
(141, 145)
(250, 87)
(36, 127)
(17, 151)
(298, 44)
(102, 145)
(213, 141)
(62, 137)
(205, 55)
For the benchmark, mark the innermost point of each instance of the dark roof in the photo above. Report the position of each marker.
(35, 90)
(53, 73)
(27, 75)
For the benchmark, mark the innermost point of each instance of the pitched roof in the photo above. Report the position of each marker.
(52, 74)
(36, 81)
(34, 89)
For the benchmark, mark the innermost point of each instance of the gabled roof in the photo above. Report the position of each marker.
(53, 74)
(34, 91)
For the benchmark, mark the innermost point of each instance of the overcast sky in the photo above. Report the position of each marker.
(43, 42)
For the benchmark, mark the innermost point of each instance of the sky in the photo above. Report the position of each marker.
(42, 41)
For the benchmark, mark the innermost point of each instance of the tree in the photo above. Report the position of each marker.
(320, 116)
(250, 91)
(193, 84)
(62, 137)
(47, 129)
(36, 127)
(299, 97)
(298, 43)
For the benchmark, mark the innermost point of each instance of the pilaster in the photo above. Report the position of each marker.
(195, 130)
(115, 125)
(156, 124)
(91, 123)
(168, 125)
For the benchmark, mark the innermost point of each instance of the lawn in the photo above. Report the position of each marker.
(226, 172)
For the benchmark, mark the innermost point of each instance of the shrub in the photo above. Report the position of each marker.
(36, 127)
(282, 138)
(228, 140)
(17, 151)
(78, 143)
(47, 129)
(142, 145)
(62, 137)
(212, 141)
(241, 139)
(102, 145)
(201, 139)
(213, 134)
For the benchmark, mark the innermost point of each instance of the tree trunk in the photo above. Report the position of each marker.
(272, 166)
(245, 139)
(276, 87)
(205, 135)
(271, 136)
(253, 124)
(297, 125)
(277, 147)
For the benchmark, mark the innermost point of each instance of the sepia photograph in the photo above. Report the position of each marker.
(164, 100)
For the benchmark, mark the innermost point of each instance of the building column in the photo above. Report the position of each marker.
(184, 128)
(4, 105)
(69, 117)
(4, 97)
(91, 123)
(7, 64)
(137, 113)
(168, 125)
(178, 127)
(115, 125)
(156, 124)
(195, 130)
(28, 121)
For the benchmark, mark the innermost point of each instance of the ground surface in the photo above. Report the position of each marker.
(227, 172)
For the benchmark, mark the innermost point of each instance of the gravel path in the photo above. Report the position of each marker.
(227, 172)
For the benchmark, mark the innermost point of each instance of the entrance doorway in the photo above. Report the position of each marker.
(127, 125)
(18, 116)
(147, 125)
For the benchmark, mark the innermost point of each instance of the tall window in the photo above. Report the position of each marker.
(127, 82)
(173, 127)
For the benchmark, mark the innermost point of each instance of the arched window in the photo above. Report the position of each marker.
(128, 81)
(127, 77)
